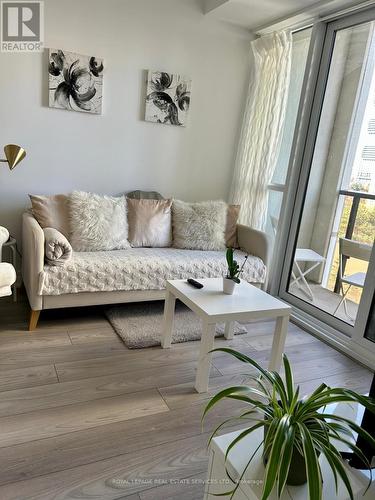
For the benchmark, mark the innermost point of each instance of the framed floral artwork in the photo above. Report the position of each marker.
(75, 81)
(167, 98)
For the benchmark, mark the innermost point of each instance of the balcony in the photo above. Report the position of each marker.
(354, 220)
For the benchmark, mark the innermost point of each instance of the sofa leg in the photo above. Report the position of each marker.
(34, 317)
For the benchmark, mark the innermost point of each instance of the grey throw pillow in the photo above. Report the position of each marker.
(144, 195)
(98, 222)
(199, 226)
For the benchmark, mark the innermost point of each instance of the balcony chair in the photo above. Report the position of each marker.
(357, 250)
(302, 255)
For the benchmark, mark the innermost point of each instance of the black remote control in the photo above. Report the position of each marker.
(194, 283)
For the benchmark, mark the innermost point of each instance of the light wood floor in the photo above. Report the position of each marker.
(83, 417)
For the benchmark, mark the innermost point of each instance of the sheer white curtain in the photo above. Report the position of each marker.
(262, 126)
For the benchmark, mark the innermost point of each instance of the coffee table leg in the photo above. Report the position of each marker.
(278, 343)
(204, 360)
(170, 301)
(229, 330)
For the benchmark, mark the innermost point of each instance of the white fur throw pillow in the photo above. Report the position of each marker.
(98, 222)
(199, 226)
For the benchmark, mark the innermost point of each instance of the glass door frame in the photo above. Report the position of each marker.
(324, 325)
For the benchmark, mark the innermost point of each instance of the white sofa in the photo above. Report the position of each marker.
(131, 275)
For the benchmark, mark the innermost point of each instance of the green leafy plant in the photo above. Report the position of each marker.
(293, 427)
(234, 270)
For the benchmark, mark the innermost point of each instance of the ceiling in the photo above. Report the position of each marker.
(253, 14)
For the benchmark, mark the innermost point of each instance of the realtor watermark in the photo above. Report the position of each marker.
(22, 26)
(153, 482)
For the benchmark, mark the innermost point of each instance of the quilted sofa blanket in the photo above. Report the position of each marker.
(139, 269)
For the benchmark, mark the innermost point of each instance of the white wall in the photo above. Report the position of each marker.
(118, 151)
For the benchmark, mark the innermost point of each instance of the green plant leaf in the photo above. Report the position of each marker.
(294, 402)
(288, 379)
(219, 427)
(285, 460)
(359, 430)
(311, 408)
(263, 386)
(366, 401)
(314, 478)
(229, 256)
(242, 435)
(238, 417)
(258, 392)
(226, 494)
(358, 452)
(273, 463)
(318, 390)
(336, 462)
(258, 380)
(338, 428)
(245, 359)
(223, 394)
(321, 447)
(270, 435)
(281, 389)
(263, 408)
(245, 469)
(329, 395)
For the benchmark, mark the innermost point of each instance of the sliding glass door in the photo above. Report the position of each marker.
(328, 273)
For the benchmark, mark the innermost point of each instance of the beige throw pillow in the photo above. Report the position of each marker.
(231, 227)
(98, 222)
(150, 223)
(199, 226)
(52, 211)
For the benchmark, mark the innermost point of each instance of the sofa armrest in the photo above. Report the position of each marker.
(254, 242)
(32, 258)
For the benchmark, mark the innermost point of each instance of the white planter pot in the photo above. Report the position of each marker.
(228, 286)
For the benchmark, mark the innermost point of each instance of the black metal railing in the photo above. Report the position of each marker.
(357, 197)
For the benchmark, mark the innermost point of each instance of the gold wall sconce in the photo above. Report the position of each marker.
(13, 155)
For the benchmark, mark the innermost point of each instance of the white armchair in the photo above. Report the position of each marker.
(4, 237)
(7, 278)
(7, 271)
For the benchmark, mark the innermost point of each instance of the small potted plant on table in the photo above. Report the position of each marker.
(296, 430)
(233, 273)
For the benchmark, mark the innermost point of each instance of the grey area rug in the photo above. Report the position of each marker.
(140, 324)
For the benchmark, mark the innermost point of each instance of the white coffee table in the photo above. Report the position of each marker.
(213, 306)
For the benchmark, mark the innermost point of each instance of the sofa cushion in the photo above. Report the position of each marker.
(150, 223)
(199, 226)
(98, 222)
(139, 269)
(231, 226)
(144, 195)
(52, 211)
